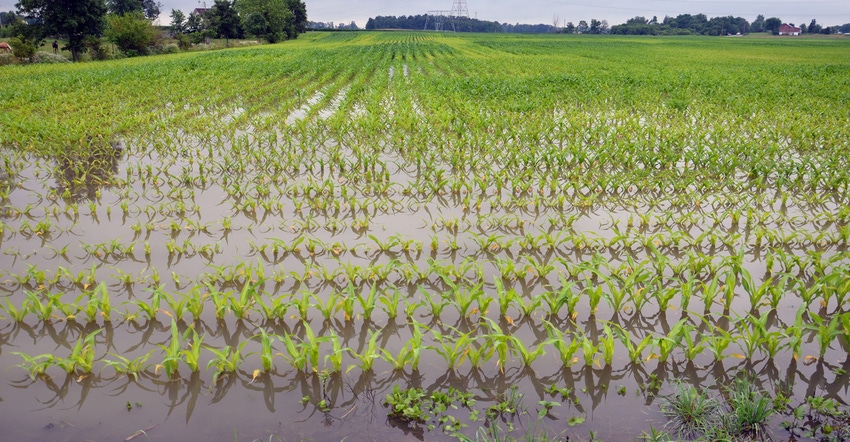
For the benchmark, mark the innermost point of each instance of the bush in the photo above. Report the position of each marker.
(132, 33)
(23, 47)
(6, 59)
(184, 41)
(97, 50)
(47, 57)
(170, 48)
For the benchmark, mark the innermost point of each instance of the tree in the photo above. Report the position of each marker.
(151, 8)
(595, 25)
(131, 32)
(121, 7)
(268, 19)
(570, 28)
(299, 13)
(814, 27)
(772, 24)
(225, 20)
(74, 19)
(195, 23)
(178, 21)
(582, 27)
(758, 24)
(22, 47)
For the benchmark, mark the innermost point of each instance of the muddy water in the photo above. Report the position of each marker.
(153, 219)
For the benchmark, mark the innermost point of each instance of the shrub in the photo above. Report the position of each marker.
(47, 57)
(23, 47)
(96, 48)
(132, 33)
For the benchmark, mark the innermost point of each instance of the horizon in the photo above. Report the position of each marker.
(825, 12)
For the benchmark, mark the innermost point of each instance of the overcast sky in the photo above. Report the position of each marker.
(826, 12)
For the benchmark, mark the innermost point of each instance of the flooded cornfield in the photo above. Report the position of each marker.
(418, 236)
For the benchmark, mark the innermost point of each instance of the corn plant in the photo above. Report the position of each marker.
(130, 367)
(81, 359)
(452, 349)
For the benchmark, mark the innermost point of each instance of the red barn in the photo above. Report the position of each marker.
(785, 29)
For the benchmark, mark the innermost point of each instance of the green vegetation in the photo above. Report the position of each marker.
(582, 219)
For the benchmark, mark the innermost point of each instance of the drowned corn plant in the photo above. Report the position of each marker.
(369, 353)
(173, 352)
(567, 348)
(266, 352)
(129, 367)
(82, 356)
(452, 349)
(635, 349)
(409, 353)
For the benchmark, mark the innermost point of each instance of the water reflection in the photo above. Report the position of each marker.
(81, 173)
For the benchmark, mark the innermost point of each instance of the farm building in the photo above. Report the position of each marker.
(786, 29)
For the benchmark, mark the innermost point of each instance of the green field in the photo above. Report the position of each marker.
(549, 235)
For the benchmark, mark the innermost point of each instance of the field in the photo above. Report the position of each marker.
(398, 236)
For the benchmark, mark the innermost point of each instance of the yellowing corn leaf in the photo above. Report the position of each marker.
(809, 360)
(256, 373)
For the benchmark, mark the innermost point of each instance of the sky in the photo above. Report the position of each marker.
(826, 12)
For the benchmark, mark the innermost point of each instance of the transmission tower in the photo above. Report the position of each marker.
(451, 19)
(459, 14)
(439, 19)
(459, 9)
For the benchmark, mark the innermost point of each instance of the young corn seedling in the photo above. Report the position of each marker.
(336, 354)
(81, 358)
(826, 330)
(192, 354)
(130, 367)
(16, 314)
(241, 305)
(369, 354)
(606, 345)
(172, 353)
(225, 360)
(296, 353)
(35, 366)
(558, 339)
(451, 349)
(43, 309)
(266, 352)
(635, 349)
(367, 303)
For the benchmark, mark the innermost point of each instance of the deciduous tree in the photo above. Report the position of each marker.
(224, 19)
(74, 19)
(178, 21)
(132, 32)
(268, 19)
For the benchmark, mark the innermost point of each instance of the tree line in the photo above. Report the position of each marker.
(700, 24)
(129, 23)
(272, 20)
(458, 24)
(683, 24)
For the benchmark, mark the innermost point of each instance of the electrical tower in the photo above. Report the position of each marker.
(439, 19)
(454, 18)
(459, 9)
